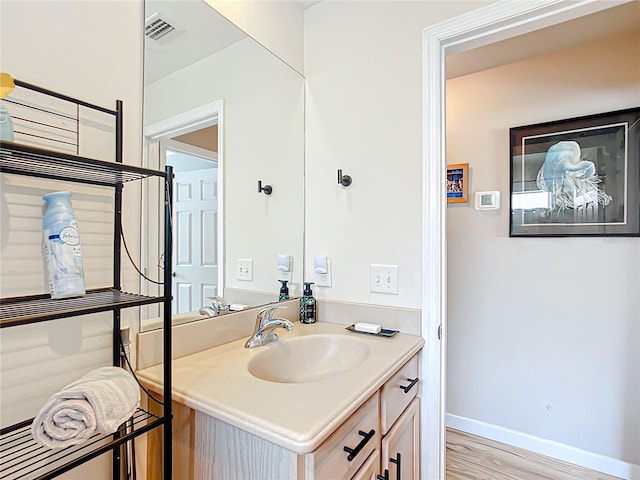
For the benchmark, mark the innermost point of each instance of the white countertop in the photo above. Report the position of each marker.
(295, 416)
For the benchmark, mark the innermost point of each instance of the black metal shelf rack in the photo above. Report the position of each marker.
(38, 162)
(39, 308)
(20, 456)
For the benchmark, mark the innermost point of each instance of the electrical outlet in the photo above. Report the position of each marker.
(244, 269)
(284, 276)
(383, 279)
(125, 336)
(322, 268)
(323, 279)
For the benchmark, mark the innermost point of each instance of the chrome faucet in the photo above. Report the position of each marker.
(218, 307)
(264, 331)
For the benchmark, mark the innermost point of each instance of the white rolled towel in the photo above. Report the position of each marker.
(100, 401)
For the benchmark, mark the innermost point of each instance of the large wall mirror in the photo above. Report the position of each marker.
(226, 113)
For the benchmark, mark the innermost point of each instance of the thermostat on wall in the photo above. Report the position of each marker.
(487, 200)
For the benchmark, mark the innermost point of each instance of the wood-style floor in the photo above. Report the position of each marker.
(475, 458)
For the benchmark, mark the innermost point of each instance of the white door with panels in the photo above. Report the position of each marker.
(195, 233)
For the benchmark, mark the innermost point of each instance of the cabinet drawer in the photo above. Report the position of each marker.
(330, 461)
(396, 393)
(370, 468)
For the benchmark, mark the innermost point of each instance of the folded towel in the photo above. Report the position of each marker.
(100, 401)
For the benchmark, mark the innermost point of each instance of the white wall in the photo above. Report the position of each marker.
(543, 333)
(268, 146)
(92, 51)
(363, 65)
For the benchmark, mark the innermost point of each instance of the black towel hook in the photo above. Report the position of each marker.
(266, 189)
(344, 180)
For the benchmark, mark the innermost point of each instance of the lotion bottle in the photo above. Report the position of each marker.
(307, 305)
(284, 291)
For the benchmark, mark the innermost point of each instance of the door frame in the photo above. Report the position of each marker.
(159, 133)
(212, 158)
(495, 22)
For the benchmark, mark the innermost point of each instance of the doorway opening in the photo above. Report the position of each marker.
(484, 26)
(192, 144)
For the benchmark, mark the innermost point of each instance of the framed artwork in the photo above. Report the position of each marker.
(458, 183)
(576, 177)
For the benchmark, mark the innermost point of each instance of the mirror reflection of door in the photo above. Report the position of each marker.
(195, 222)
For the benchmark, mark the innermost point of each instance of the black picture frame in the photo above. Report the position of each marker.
(576, 177)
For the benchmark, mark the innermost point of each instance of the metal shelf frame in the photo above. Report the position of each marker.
(40, 308)
(38, 162)
(21, 159)
(23, 458)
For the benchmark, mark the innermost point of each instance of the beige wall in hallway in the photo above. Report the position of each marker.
(544, 336)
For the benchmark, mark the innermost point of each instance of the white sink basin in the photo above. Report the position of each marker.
(308, 359)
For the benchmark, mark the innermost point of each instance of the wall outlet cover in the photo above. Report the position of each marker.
(284, 276)
(323, 279)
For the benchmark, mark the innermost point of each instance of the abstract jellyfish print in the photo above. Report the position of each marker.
(572, 183)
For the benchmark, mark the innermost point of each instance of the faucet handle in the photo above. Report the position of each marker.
(269, 310)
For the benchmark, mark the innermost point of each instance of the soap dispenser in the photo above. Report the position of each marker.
(284, 291)
(307, 305)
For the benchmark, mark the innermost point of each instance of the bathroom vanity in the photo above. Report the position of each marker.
(321, 403)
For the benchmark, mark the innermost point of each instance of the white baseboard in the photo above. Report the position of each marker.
(549, 448)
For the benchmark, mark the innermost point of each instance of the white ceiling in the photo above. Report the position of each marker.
(618, 20)
(201, 31)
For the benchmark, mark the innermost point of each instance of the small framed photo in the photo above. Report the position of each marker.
(576, 177)
(458, 183)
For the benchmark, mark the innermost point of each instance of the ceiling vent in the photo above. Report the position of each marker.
(156, 27)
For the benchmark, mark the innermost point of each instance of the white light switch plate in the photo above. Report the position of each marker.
(383, 279)
(244, 269)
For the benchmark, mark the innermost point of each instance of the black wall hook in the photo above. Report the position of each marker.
(266, 189)
(344, 180)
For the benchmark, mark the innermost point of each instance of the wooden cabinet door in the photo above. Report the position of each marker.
(401, 446)
(369, 470)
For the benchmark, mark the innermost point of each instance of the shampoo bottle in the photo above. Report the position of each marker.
(307, 305)
(284, 291)
(62, 247)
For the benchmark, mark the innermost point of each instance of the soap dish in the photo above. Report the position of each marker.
(383, 333)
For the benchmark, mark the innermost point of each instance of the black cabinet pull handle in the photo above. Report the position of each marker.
(397, 462)
(353, 452)
(386, 475)
(410, 386)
